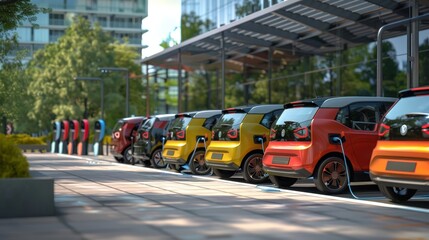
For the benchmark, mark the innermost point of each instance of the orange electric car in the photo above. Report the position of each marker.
(305, 141)
(400, 161)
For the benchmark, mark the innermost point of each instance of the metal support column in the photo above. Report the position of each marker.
(179, 79)
(409, 57)
(270, 72)
(379, 48)
(415, 45)
(222, 54)
(147, 91)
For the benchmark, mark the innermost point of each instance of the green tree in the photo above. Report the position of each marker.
(392, 81)
(14, 101)
(81, 51)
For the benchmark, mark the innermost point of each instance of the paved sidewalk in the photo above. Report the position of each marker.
(105, 200)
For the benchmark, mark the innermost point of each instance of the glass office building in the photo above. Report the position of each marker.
(299, 49)
(215, 13)
(121, 18)
(221, 12)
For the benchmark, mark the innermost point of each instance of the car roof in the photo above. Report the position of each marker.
(164, 117)
(414, 92)
(337, 102)
(254, 109)
(185, 114)
(207, 113)
(132, 119)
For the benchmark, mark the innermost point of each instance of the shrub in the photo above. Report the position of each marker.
(25, 139)
(13, 163)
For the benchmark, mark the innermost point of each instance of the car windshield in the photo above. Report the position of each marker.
(407, 120)
(293, 124)
(178, 127)
(228, 127)
(118, 126)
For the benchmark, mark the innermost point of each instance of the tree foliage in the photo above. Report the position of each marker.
(14, 101)
(80, 52)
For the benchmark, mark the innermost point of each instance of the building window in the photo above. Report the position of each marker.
(55, 34)
(56, 19)
(102, 21)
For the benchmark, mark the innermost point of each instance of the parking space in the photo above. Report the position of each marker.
(98, 198)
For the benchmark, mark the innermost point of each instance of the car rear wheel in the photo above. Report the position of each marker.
(223, 173)
(119, 159)
(198, 164)
(128, 155)
(397, 194)
(157, 160)
(331, 176)
(252, 169)
(283, 182)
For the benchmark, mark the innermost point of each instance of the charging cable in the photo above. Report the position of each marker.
(345, 164)
(261, 139)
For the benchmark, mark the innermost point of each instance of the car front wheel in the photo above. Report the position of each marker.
(397, 194)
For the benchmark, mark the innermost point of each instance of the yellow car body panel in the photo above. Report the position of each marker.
(179, 151)
(229, 155)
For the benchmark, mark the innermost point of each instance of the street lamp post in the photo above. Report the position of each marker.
(101, 90)
(127, 88)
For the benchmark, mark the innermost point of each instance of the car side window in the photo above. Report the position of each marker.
(211, 121)
(270, 118)
(360, 116)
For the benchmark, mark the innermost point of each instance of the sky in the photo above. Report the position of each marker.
(163, 19)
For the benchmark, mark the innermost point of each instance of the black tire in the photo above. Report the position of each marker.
(331, 176)
(397, 194)
(252, 169)
(119, 159)
(283, 182)
(157, 160)
(198, 164)
(128, 156)
(146, 163)
(224, 174)
(174, 167)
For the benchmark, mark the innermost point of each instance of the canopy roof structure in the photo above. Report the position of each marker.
(288, 30)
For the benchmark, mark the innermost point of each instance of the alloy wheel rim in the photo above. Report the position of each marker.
(334, 175)
(255, 169)
(159, 161)
(200, 164)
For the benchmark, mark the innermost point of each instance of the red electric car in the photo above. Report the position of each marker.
(305, 141)
(122, 134)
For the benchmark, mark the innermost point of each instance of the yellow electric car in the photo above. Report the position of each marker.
(187, 138)
(239, 139)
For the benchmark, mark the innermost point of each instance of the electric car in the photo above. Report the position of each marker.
(306, 141)
(123, 134)
(187, 138)
(150, 139)
(239, 139)
(400, 161)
